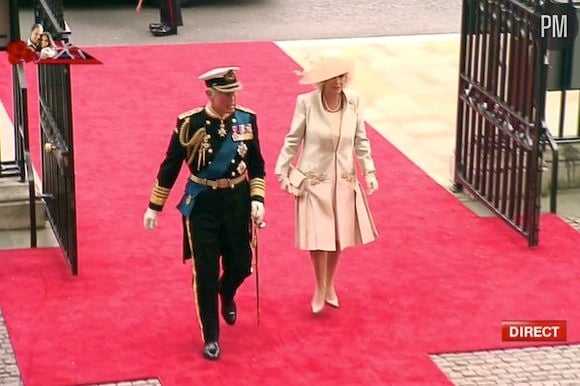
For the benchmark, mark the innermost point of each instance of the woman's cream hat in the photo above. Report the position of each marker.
(327, 66)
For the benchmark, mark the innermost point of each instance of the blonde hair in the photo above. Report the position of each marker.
(348, 75)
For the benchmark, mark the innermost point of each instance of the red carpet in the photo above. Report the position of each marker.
(439, 279)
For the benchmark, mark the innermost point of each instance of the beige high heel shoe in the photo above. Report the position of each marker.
(332, 300)
(315, 307)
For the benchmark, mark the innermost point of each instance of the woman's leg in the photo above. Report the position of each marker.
(331, 264)
(319, 263)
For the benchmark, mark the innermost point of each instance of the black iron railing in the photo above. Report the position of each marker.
(50, 14)
(564, 79)
(22, 165)
(551, 142)
(500, 109)
(58, 156)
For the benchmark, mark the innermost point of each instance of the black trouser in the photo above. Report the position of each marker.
(170, 13)
(219, 225)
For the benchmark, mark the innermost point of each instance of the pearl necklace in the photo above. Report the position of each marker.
(334, 110)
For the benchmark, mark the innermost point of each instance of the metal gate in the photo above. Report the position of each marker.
(58, 176)
(500, 113)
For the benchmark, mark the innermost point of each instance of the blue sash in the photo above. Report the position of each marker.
(215, 170)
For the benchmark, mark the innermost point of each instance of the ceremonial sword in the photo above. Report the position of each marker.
(255, 246)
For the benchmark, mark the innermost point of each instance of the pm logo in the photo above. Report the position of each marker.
(534, 331)
(559, 24)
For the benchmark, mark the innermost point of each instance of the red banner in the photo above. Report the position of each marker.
(68, 53)
(533, 331)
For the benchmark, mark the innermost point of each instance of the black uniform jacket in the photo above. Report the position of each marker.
(197, 137)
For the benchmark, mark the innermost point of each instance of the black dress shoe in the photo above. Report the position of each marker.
(164, 30)
(211, 351)
(155, 25)
(229, 311)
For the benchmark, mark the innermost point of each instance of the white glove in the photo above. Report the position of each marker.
(372, 183)
(150, 219)
(258, 212)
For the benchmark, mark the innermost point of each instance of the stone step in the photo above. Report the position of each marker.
(14, 205)
(568, 167)
(16, 215)
(11, 189)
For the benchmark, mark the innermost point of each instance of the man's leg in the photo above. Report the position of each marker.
(177, 10)
(163, 16)
(203, 234)
(235, 247)
(168, 12)
(237, 261)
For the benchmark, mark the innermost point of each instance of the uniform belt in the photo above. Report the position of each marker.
(221, 183)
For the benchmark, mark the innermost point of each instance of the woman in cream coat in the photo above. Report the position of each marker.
(331, 209)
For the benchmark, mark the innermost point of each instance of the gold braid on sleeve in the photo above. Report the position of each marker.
(194, 143)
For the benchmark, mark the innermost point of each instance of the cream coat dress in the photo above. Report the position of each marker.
(333, 212)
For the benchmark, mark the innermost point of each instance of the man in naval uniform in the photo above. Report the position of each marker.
(223, 199)
(170, 16)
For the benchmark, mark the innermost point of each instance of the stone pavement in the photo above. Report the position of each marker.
(573, 221)
(548, 366)
(409, 87)
(9, 372)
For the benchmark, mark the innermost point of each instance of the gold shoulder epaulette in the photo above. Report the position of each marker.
(247, 110)
(189, 112)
